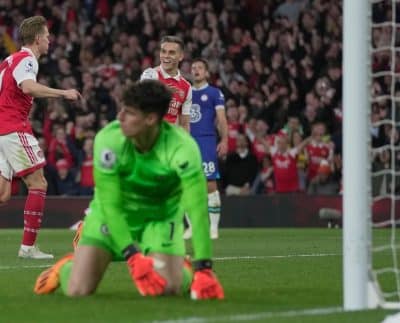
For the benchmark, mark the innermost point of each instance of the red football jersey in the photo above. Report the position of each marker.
(182, 92)
(285, 170)
(317, 152)
(14, 104)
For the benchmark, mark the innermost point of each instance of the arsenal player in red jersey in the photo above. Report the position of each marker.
(171, 54)
(20, 153)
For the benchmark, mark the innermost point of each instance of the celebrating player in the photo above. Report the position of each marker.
(146, 173)
(208, 106)
(20, 153)
(171, 54)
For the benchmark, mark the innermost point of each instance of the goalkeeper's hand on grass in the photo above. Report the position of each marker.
(205, 283)
(146, 279)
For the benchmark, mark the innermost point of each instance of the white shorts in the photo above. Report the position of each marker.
(20, 155)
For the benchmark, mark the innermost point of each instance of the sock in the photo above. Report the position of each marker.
(214, 209)
(187, 279)
(33, 213)
(65, 273)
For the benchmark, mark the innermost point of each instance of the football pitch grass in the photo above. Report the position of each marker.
(269, 275)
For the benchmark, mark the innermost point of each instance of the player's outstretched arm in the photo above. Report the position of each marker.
(205, 284)
(38, 90)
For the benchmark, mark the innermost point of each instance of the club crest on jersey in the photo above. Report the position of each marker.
(204, 97)
(107, 158)
(104, 229)
(29, 66)
(176, 90)
(195, 113)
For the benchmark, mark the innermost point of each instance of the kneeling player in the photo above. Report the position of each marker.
(146, 173)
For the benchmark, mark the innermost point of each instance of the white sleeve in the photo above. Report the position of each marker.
(26, 69)
(188, 103)
(273, 150)
(149, 74)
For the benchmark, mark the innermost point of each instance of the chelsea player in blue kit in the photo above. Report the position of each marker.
(207, 112)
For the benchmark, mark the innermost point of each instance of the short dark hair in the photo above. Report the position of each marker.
(173, 39)
(148, 96)
(201, 60)
(30, 28)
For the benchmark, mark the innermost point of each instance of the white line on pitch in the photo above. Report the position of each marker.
(277, 256)
(23, 267)
(216, 259)
(256, 316)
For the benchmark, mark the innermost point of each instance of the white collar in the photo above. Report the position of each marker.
(199, 88)
(165, 75)
(26, 49)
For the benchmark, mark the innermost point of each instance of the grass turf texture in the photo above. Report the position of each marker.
(269, 275)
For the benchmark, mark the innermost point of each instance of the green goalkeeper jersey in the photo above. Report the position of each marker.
(132, 188)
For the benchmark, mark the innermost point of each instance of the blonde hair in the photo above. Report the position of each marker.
(30, 28)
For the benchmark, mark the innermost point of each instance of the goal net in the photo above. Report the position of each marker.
(385, 153)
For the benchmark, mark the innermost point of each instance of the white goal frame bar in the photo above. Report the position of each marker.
(360, 288)
(356, 164)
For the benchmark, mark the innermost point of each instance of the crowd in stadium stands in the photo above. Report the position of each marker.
(277, 62)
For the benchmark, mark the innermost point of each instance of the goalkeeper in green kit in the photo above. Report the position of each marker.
(147, 173)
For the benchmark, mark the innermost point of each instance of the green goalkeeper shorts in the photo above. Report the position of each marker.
(164, 237)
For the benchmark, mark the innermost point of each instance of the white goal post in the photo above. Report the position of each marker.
(356, 165)
(362, 286)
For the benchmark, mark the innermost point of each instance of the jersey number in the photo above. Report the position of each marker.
(209, 167)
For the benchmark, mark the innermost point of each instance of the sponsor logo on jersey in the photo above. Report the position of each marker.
(195, 113)
(107, 158)
(204, 97)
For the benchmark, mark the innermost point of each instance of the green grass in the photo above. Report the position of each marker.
(269, 275)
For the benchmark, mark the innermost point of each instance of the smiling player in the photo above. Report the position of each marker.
(171, 54)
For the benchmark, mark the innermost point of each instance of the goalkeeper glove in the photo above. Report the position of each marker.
(205, 283)
(141, 268)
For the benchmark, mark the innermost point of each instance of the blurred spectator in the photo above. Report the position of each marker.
(240, 169)
(85, 168)
(284, 161)
(323, 183)
(65, 179)
(317, 149)
(264, 183)
(295, 141)
(234, 125)
(58, 148)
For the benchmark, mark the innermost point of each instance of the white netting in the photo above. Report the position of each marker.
(385, 147)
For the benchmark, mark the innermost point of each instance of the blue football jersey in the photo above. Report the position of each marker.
(205, 102)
